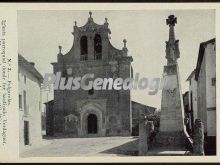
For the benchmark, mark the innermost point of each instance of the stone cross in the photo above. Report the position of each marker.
(172, 20)
(172, 46)
(60, 49)
(90, 14)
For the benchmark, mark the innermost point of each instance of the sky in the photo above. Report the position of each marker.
(41, 32)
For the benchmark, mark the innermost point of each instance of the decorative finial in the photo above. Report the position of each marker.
(106, 20)
(172, 20)
(125, 41)
(125, 50)
(90, 14)
(75, 23)
(60, 49)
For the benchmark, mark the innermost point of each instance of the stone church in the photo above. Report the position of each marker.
(85, 113)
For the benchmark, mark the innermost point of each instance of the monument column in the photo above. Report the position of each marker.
(171, 131)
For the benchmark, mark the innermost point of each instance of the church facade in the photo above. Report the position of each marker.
(85, 113)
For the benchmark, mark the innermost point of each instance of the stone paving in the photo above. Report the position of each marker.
(97, 146)
(101, 146)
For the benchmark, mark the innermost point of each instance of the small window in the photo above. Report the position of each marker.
(25, 103)
(39, 106)
(132, 72)
(25, 79)
(83, 48)
(20, 101)
(84, 45)
(213, 81)
(26, 133)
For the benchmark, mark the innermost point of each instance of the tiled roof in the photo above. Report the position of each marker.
(200, 56)
(191, 74)
(29, 67)
(149, 108)
(49, 102)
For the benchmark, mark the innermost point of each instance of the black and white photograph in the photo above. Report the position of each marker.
(116, 83)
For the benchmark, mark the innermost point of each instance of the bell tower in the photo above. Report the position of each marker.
(91, 40)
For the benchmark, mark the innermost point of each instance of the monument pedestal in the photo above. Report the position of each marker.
(170, 140)
(171, 132)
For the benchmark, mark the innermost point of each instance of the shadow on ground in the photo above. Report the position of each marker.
(127, 149)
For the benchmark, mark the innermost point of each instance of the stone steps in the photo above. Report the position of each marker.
(168, 152)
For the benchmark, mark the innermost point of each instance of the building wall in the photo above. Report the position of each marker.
(211, 120)
(49, 118)
(193, 90)
(33, 104)
(207, 90)
(138, 108)
(210, 58)
(113, 105)
(202, 95)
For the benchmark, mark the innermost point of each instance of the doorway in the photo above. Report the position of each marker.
(26, 133)
(92, 124)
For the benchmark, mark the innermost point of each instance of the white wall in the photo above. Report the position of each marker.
(201, 91)
(210, 73)
(210, 58)
(34, 104)
(206, 91)
(193, 89)
(211, 120)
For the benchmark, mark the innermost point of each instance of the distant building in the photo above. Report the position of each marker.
(206, 89)
(193, 97)
(188, 118)
(136, 108)
(47, 94)
(49, 118)
(29, 81)
(43, 123)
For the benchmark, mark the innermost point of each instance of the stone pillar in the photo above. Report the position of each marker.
(145, 130)
(150, 129)
(125, 97)
(198, 139)
(143, 137)
(91, 47)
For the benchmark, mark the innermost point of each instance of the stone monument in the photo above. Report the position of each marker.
(143, 135)
(146, 129)
(198, 140)
(171, 133)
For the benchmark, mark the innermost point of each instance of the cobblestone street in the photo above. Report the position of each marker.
(101, 146)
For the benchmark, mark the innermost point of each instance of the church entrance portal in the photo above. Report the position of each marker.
(92, 124)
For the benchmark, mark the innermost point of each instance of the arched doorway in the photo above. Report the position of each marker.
(92, 124)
